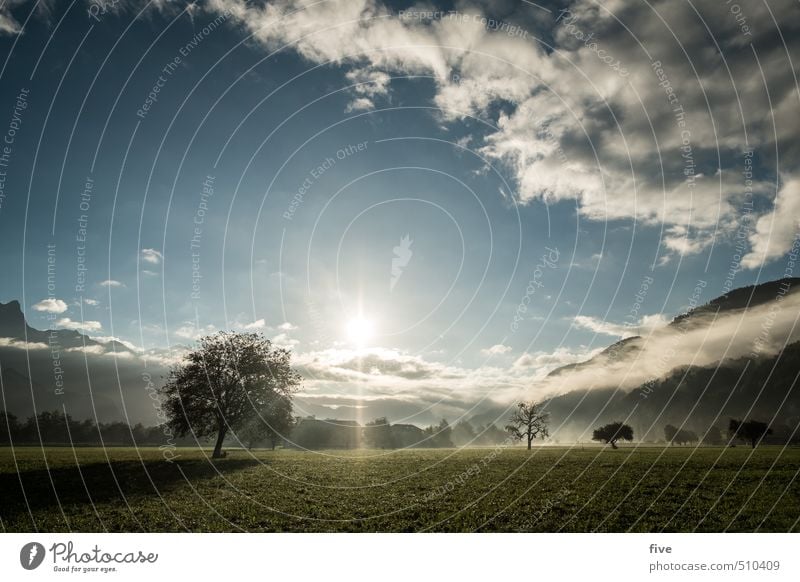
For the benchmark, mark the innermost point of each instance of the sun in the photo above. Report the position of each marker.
(360, 331)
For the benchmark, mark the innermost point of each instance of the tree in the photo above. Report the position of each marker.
(528, 421)
(490, 435)
(613, 432)
(751, 431)
(679, 436)
(224, 382)
(463, 434)
(378, 434)
(670, 432)
(272, 424)
(439, 435)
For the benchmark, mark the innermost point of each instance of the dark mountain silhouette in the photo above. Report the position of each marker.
(696, 398)
(13, 325)
(758, 386)
(61, 368)
(616, 351)
(740, 299)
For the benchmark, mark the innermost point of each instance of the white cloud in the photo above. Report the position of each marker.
(286, 326)
(152, 256)
(51, 305)
(92, 302)
(8, 24)
(642, 326)
(94, 350)
(777, 232)
(10, 342)
(110, 338)
(496, 350)
(67, 323)
(190, 332)
(111, 283)
(541, 362)
(359, 104)
(369, 83)
(572, 127)
(257, 324)
(282, 340)
(703, 340)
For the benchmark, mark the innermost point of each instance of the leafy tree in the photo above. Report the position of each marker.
(224, 382)
(406, 436)
(272, 424)
(378, 434)
(490, 435)
(679, 436)
(613, 432)
(440, 435)
(463, 433)
(751, 431)
(529, 422)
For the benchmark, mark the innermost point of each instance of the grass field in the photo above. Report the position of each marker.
(547, 490)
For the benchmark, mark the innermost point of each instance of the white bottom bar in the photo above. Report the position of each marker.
(403, 557)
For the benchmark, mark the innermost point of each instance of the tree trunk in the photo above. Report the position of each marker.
(613, 444)
(529, 443)
(218, 447)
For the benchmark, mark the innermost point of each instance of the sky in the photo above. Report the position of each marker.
(432, 205)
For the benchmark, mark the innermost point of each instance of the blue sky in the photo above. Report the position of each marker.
(484, 145)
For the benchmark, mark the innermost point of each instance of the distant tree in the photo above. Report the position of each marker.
(378, 434)
(223, 382)
(713, 436)
(491, 434)
(440, 435)
(613, 432)
(463, 433)
(310, 433)
(272, 424)
(679, 436)
(406, 436)
(528, 422)
(751, 431)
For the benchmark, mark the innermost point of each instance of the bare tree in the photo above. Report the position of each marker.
(528, 421)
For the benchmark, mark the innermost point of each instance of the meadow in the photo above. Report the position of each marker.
(549, 489)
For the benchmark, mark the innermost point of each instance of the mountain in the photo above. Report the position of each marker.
(64, 369)
(736, 356)
(763, 388)
(14, 326)
(738, 302)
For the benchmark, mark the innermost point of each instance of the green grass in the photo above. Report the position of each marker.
(549, 489)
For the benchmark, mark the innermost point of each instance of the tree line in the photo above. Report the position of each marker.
(237, 389)
(55, 427)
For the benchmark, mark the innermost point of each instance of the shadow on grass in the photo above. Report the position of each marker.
(131, 481)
